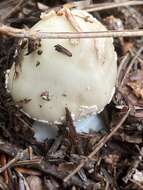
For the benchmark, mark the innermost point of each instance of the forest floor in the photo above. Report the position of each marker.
(106, 160)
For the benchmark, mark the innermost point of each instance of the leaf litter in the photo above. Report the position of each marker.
(112, 159)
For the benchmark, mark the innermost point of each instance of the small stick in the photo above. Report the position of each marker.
(121, 66)
(106, 6)
(35, 161)
(33, 34)
(72, 20)
(19, 156)
(70, 125)
(3, 163)
(28, 171)
(101, 143)
(131, 64)
(16, 9)
(72, 132)
(30, 150)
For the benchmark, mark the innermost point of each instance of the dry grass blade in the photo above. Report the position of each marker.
(23, 33)
(106, 6)
(101, 143)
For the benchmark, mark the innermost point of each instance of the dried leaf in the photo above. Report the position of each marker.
(137, 87)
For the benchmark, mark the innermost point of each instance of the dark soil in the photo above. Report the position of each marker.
(118, 163)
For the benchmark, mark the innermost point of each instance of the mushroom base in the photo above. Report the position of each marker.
(85, 125)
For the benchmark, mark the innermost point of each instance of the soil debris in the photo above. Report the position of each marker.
(112, 159)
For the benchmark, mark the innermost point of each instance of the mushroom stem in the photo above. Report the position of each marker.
(85, 125)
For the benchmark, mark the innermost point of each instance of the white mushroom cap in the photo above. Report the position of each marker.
(82, 80)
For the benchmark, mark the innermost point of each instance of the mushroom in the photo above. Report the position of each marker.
(51, 74)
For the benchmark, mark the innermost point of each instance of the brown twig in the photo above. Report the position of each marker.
(28, 171)
(15, 10)
(101, 143)
(106, 6)
(48, 169)
(19, 156)
(3, 163)
(30, 150)
(33, 34)
(32, 162)
(73, 136)
(70, 125)
(131, 64)
(123, 62)
(52, 170)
